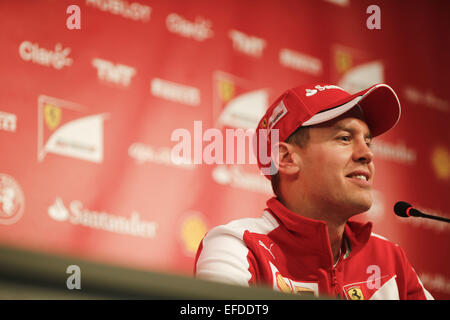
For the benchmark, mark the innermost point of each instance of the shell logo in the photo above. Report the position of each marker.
(193, 229)
(440, 159)
(226, 90)
(343, 61)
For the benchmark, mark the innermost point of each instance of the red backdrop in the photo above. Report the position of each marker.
(86, 118)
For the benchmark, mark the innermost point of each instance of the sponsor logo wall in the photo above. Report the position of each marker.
(86, 118)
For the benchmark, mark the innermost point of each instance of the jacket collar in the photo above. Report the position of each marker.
(356, 234)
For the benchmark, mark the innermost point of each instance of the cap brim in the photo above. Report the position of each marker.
(379, 103)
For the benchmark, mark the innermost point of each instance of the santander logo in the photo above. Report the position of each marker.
(77, 214)
(58, 211)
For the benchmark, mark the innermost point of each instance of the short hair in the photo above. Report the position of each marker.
(300, 138)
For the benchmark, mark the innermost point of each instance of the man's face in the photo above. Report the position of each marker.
(336, 169)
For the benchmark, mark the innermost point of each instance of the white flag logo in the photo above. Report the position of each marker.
(63, 129)
(81, 138)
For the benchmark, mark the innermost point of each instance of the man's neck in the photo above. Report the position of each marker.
(335, 235)
(335, 223)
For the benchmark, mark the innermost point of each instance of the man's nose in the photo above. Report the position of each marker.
(362, 152)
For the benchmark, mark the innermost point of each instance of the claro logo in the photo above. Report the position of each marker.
(57, 58)
(199, 30)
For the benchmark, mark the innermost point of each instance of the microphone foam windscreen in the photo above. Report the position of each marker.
(401, 207)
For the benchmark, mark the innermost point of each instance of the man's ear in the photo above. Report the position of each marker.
(287, 160)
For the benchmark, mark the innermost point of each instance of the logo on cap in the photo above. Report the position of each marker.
(264, 123)
(278, 112)
(311, 92)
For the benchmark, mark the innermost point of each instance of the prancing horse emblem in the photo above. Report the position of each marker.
(355, 293)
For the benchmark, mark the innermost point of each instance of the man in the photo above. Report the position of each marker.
(321, 175)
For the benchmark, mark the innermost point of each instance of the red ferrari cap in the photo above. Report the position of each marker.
(319, 102)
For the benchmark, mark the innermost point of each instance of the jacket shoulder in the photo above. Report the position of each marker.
(381, 240)
(382, 244)
(223, 254)
(263, 225)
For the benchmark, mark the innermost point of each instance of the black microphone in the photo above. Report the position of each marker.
(404, 209)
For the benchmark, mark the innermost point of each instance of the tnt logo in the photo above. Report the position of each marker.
(119, 74)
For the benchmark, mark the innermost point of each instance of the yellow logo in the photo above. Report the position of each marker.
(303, 291)
(355, 293)
(281, 283)
(343, 61)
(264, 123)
(441, 162)
(192, 232)
(52, 115)
(285, 286)
(226, 90)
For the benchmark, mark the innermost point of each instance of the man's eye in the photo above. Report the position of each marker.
(345, 138)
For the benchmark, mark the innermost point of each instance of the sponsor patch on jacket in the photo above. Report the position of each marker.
(287, 285)
(355, 293)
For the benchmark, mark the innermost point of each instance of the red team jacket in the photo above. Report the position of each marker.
(291, 253)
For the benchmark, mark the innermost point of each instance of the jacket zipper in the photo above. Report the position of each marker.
(334, 283)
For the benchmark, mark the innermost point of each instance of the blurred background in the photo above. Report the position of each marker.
(91, 94)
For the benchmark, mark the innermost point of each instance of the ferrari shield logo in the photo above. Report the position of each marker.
(264, 123)
(355, 293)
(52, 115)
